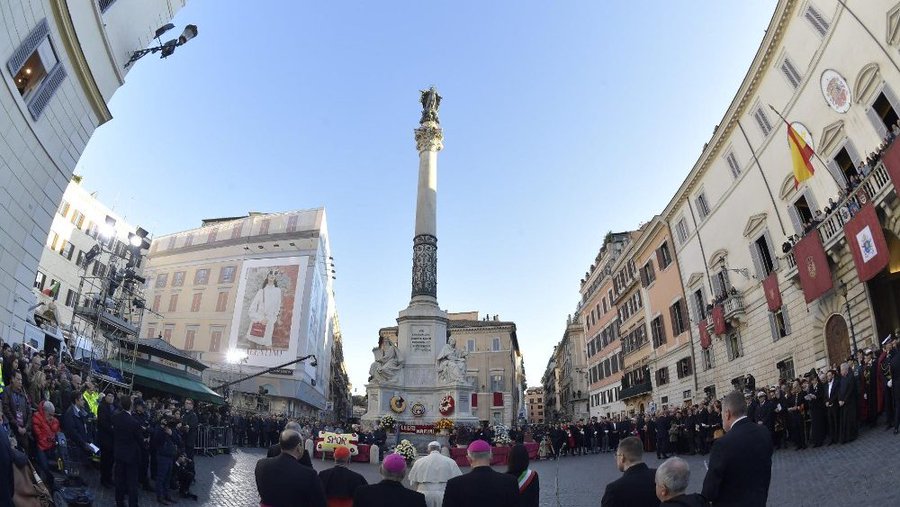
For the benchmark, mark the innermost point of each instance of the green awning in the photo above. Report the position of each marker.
(164, 381)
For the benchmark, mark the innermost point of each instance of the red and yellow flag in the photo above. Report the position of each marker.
(801, 155)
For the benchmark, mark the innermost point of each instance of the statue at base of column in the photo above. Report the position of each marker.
(451, 364)
(387, 365)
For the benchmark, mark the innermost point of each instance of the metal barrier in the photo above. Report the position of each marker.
(212, 440)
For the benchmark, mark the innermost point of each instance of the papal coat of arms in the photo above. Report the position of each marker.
(810, 266)
(836, 91)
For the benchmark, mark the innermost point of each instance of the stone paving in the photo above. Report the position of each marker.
(861, 473)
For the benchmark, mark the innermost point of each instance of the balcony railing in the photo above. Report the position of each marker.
(635, 390)
(734, 307)
(874, 188)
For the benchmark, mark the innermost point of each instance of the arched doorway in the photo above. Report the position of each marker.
(837, 339)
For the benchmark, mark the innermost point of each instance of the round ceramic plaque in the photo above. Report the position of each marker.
(836, 91)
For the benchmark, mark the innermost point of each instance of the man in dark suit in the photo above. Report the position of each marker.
(105, 438)
(127, 441)
(390, 492)
(637, 486)
(832, 387)
(740, 463)
(848, 400)
(283, 482)
(482, 485)
(275, 449)
(340, 483)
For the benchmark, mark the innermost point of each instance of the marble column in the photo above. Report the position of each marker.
(429, 141)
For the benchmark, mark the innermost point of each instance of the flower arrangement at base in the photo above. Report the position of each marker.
(387, 423)
(406, 449)
(443, 424)
(501, 435)
(447, 405)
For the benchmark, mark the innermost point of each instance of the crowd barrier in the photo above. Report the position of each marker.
(212, 440)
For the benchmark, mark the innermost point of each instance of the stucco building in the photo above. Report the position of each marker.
(534, 401)
(572, 387)
(64, 61)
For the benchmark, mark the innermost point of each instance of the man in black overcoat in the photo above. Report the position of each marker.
(283, 482)
(390, 492)
(482, 485)
(637, 486)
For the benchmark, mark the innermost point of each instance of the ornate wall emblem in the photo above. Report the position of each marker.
(418, 409)
(836, 91)
(810, 266)
(424, 276)
(447, 405)
(398, 404)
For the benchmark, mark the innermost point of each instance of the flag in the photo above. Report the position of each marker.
(812, 265)
(891, 159)
(705, 341)
(801, 155)
(718, 315)
(773, 293)
(52, 290)
(866, 241)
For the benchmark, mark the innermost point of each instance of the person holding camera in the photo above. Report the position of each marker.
(166, 450)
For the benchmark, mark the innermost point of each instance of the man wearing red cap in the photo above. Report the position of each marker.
(340, 482)
(390, 492)
(483, 485)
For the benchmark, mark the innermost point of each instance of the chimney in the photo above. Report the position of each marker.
(496, 318)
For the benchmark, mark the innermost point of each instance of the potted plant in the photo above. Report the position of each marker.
(406, 449)
(387, 423)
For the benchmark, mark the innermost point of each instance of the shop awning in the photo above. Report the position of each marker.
(176, 384)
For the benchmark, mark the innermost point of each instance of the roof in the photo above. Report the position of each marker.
(146, 375)
(160, 348)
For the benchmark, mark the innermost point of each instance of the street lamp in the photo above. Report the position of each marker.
(165, 49)
(849, 315)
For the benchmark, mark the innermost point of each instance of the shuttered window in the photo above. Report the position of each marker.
(779, 323)
(733, 164)
(815, 18)
(35, 69)
(790, 72)
(702, 205)
(762, 120)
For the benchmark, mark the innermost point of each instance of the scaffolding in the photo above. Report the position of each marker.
(109, 310)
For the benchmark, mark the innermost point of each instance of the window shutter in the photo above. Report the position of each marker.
(876, 121)
(795, 219)
(771, 250)
(773, 328)
(836, 173)
(811, 200)
(662, 329)
(854, 155)
(757, 261)
(892, 98)
(674, 320)
(695, 314)
(686, 318)
(46, 90)
(31, 42)
(787, 322)
(717, 286)
(659, 258)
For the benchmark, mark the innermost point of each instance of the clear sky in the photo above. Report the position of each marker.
(562, 120)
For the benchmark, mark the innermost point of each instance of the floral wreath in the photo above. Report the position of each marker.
(447, 405)
(398, 404)
(418, 409)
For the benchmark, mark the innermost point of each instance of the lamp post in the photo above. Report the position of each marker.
(849, 315)
(165, 49)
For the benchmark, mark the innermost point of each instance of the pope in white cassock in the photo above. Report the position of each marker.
(263, 311)
(429, 475)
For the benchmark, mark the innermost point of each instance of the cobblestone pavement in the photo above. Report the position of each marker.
(860, 473)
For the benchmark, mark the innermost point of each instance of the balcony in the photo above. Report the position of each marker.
(874, 188)
(732, 310)
(635, 390)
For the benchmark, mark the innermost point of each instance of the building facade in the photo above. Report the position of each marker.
(534, 400)
(494, 364)
(572, 365)
(549, 382)
(64, 61)
(250, 293)
(834, 73)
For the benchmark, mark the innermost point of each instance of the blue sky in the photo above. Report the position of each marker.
(562, 120)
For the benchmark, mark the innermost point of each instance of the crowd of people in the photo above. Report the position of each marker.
(57, 419)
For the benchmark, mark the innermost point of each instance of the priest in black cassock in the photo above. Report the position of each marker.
(832, 407)
(848, 397)
(815, 400)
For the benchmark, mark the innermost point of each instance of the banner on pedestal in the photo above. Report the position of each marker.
(867, 243)
(718, 315)
(773, 292)
(812, 265)
(705, 340)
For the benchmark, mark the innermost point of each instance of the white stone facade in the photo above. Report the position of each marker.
(44, 131)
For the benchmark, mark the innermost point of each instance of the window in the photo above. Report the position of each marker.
(786, 369)
(495, 344)
(70, 298)
(684, 367)
(662, 376)
(215, 339)
(77, 219)
(39, 281)
(664, 256)
(882, 114)
(815, 18)
(759, 114)
(699, 304)
(189, 240)
(161, 280)
(63, 208)
(264, 227)
(681, 230)
(36, 70)
(801, 214)
(658, 331)
(226, 274)
(702, 205)
(706, 358)
(236, 230)
(54, 241)
(470, 346)
(497, 383)
(173, 302)
(79, 260)
(189, 335)
(733, 164)
(648, 275)
(222, 302)
(790, 72)
(168, 329)
(762, 253)
(151, 330)
(66, 250)
(779, 324)
(195, 302)
(156, 300)
(178, 279)
(733, 345)
(721, 282)
(201, 277)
